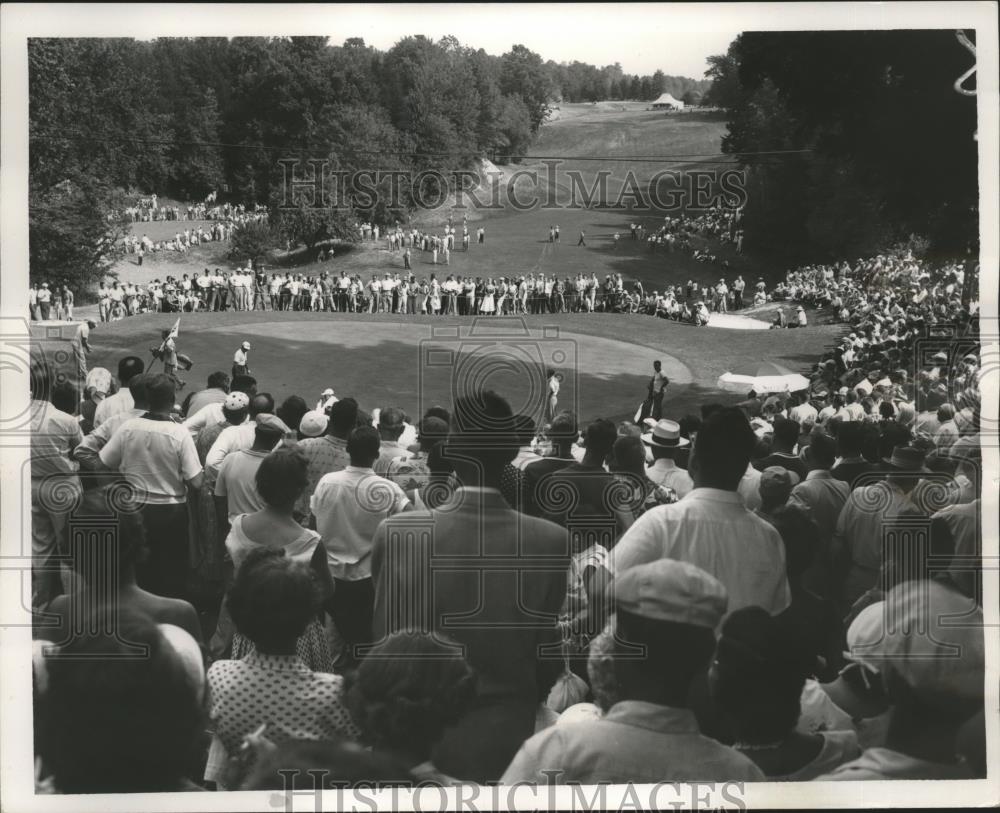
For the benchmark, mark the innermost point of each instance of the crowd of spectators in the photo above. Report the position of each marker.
(702, 597)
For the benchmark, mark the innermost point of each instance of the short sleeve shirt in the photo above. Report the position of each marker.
(281, 691)
(160, 454)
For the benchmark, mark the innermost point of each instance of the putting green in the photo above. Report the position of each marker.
(605, 360)
(420, 364)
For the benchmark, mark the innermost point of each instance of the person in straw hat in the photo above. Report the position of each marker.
(663, 440)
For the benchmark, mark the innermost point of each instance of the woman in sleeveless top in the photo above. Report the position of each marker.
(280, 480)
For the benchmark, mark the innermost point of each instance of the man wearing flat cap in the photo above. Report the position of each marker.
(932, 670)
(661, 637)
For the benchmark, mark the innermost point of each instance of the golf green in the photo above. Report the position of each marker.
(604, 360)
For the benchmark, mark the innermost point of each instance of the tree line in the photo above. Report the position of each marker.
(891, 155)
(112, 118)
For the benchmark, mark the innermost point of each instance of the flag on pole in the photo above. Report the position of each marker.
(171, 334)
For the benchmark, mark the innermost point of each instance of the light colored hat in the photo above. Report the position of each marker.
(328, 391)
(667, 590)
(236, 400)
(245, 345)
(665, 435)
(777, 481)
(313, 424)
(272, 423)
(928, 634)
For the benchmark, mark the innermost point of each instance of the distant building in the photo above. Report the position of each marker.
(667, 102)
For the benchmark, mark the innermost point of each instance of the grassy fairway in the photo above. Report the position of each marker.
(605, 359)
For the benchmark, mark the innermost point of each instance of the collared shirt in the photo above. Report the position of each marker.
(712, 529)
(323, 456)
(665, 472)
(121, 401)
(160, 454)
(231, 439)
(280, 690)
(206, 416)
(236, 481)
(635, 741)
(88, 452)
(349, 506)
(199, 400)
(54, 437)
(824, 496)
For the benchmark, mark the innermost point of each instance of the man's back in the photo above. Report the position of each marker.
(712, 529)
(635, 742)
(212, 395)
(491, 578)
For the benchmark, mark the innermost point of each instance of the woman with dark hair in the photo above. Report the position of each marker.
(760, 668)
(273, 601)
(406, 692)
(291, 411)
(280, 480)
(120, 712)
(105, 569)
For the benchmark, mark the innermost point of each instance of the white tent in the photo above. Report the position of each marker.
(667, 101)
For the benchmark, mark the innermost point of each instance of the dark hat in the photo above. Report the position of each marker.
(907, 459)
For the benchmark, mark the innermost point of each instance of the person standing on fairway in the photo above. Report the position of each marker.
(582, 241)
(241, 366)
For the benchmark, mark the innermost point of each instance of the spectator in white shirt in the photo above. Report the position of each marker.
(234, 438)
(121, 401)
(87, 454)
(391, 425)
(711, 528)
(663, 440)
(803, 412)
(55, 434)
(347, 508)
(212, 414)
(235, 485)
(159, 457)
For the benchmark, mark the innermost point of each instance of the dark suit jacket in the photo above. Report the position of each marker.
(493, 580)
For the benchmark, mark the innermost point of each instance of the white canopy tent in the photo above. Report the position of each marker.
(667, 101)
